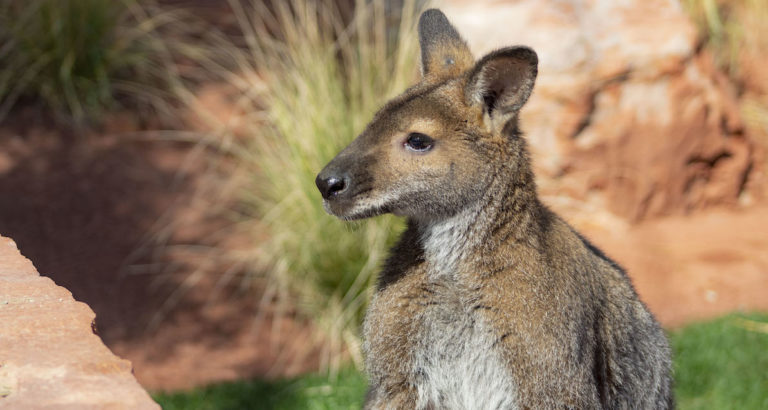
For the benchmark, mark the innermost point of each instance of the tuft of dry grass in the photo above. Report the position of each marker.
(307, 84)
(736, 32)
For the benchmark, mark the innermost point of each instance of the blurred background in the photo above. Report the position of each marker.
(157, 159)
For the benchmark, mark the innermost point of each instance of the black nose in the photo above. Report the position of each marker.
(330, 186)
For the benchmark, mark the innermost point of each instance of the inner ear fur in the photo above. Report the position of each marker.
(501, 82)
(443, 52)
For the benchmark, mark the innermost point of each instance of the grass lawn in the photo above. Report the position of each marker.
(720, 364)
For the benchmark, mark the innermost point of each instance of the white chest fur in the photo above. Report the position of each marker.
(456, 364)
(447, 241)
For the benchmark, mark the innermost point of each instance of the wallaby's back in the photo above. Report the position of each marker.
(489, 300)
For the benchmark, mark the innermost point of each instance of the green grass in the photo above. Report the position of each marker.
(720, 364)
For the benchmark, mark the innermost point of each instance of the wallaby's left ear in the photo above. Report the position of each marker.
(501, 82)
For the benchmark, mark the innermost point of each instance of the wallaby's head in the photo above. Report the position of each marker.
(438, 147)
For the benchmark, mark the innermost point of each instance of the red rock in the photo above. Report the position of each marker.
(50, 356)
(626, 110)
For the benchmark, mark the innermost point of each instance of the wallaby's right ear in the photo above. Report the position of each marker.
(501, 83)
(443, 52)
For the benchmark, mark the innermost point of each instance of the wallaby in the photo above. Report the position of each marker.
(489, 300)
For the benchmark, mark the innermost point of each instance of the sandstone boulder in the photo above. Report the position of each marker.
(626, 112)
(50, 356)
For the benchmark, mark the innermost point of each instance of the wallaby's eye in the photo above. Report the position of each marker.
(419, 142)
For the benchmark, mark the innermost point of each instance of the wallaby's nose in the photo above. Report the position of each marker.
(332, 185)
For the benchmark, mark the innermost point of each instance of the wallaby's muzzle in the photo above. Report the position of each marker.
(345, 187)
(331, 184)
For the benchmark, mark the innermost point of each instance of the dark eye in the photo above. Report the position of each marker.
(419, 142)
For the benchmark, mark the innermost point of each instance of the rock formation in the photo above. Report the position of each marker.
(626, 110)
(50, 356)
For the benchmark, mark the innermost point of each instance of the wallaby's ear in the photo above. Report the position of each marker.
(443, 52)
(501, 82)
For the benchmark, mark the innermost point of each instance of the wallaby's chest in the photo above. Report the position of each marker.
(452, 362)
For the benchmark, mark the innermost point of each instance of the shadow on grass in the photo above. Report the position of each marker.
(307, 392)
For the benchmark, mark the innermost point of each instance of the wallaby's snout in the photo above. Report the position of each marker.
(340, 183)
(332, 183)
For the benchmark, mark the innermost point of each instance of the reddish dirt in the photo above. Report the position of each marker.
(694, 267)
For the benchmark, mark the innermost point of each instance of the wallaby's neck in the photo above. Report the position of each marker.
(508, 211)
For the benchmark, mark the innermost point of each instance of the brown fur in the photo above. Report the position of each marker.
(489, 300)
